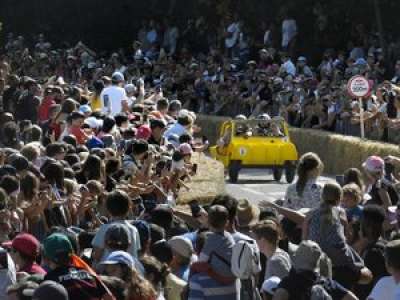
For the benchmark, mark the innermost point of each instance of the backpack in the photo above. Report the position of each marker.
(245, 260)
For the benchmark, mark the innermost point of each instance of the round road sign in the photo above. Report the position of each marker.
(358, 87)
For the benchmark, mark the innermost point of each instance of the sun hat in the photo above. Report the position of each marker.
(247, 213)
(307, 257)
(182, 246)
(119, 257)
(374, 164)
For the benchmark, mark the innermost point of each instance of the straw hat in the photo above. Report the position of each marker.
(247, 213)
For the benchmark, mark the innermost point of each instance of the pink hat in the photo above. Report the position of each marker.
(185, 149)
(373, 164)
(143, 132)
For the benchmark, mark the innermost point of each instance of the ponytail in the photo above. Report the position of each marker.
(308, 162)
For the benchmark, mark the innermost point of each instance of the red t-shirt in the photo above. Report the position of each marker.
(79, 134)
(44, 108)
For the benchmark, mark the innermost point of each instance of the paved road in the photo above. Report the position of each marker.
(258, 184)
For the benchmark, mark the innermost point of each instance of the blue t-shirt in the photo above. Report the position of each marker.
(354, 214)
(217, 251)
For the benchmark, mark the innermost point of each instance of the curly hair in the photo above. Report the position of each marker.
(138, 287)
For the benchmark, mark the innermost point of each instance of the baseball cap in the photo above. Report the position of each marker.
(307, 256)
(85, 109)
(50, 290)
(119, 257)
(56, 246)
(270, 285)
(143, 132)
(301, 58)
(117, 76)
(94, 123)
(181, 245)
(373, 164)
(130, 88)
(185, 149)
(118, 234)
(94, 142)
(26, 244)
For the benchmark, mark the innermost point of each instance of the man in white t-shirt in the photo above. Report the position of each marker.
(388, 288)
(114, 97)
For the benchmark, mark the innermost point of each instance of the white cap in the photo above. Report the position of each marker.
(271, 285)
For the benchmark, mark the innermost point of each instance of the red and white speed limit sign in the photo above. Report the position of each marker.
(358, 87)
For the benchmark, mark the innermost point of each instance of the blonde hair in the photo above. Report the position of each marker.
(353, 190)
(70, 186)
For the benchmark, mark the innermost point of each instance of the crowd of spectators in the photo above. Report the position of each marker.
(96, 147)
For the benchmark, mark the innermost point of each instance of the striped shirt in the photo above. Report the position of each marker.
(202, 287)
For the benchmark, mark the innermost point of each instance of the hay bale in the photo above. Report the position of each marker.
(339, 152)
(207, 183)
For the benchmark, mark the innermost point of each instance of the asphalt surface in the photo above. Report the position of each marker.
(258, 184)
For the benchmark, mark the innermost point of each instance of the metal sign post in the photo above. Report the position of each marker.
(362, 128)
